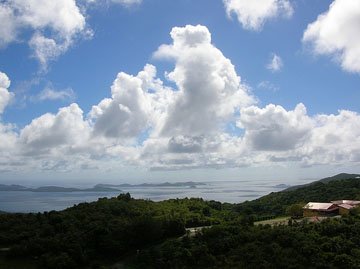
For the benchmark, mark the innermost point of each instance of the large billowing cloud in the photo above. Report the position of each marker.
(210, 91)
(189, 130)
(123, 115)
(209, 119)
(253, 14)
(132, 107)
(336, 33)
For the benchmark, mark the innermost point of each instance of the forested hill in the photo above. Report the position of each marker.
(326, 180)
(101, 232)
(276, 203)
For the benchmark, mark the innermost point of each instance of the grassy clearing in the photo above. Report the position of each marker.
(272, 222)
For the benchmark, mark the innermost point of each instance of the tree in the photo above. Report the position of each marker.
(295, 211)
(124, 197)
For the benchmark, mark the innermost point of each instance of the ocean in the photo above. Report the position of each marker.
(223, 191)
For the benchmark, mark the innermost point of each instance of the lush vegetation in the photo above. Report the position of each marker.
(109, 229)
(145, 234)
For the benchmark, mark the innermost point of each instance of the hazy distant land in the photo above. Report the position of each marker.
(99, 187)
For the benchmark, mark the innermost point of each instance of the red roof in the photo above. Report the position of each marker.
(347, 202)
(346, 206)
(320, 206)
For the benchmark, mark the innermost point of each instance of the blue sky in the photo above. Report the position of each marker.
(295, 112)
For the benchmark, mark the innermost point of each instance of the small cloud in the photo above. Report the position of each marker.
(252, 15)
(46, 49)
(60, 166)
(275, 64)
(86, 166)
(267, 85)
(127, 2)
(51, 94)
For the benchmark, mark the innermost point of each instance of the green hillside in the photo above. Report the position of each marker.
(276, 203)
(327, 180)
(339, 177)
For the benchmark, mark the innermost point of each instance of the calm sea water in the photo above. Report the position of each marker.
(224, 191)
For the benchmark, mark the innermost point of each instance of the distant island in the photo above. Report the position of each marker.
(56, 189)
(282, 186)
(99, 187)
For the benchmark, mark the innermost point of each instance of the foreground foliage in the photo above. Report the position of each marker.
(106, 230)
(330, 244)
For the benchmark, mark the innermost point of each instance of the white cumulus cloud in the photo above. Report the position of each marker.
(8, 138)
(210, 91)
(273, 128)
(8, 135)
(55, 24)
(5, 95)
(49, 132)
(253, 14)
(135, 105)
(336, 33)
(335, 139)
(8, 29)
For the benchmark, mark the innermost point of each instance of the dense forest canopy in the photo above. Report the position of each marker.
(330, 244)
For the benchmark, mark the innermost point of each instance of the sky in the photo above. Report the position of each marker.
(153, 90)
